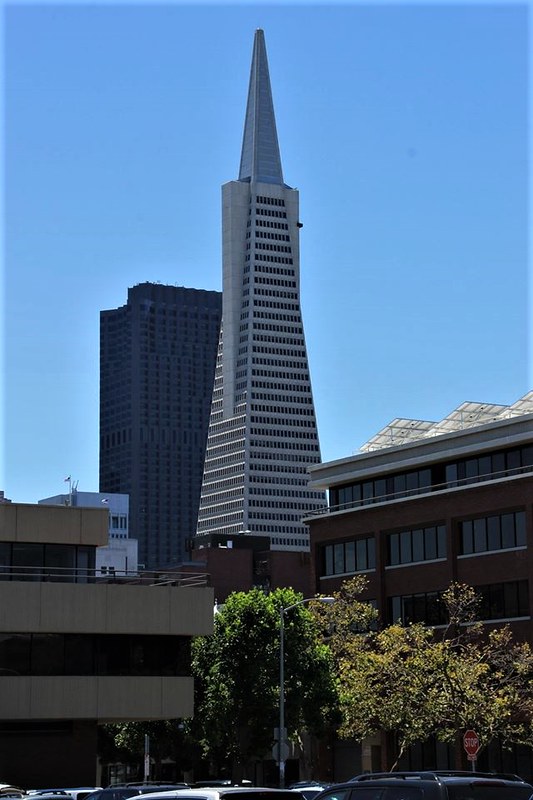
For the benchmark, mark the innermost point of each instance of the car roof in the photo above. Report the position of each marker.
(214, 793)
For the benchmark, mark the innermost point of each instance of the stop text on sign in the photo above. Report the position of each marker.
(471, 742)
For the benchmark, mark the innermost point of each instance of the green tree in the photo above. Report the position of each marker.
(169, 739)
(236, 673)
(416, 682)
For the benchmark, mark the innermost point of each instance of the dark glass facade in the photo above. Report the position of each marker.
(96, 654)
(32, 561)
(157, 364)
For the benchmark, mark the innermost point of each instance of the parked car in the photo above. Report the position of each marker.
(115, 793)
(7, 790)
(309, 789)
(79, 793)
(438, 785)
(150, 786)
(227, 793)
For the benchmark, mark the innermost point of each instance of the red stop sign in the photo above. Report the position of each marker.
(471, 743)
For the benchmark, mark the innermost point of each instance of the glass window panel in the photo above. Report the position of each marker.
(113, 655)
(434, 609)
(345, 495)
(471, 469)
(86, 564)
(368, 491)
(328, 560)
(27, 561)
(60, 561)
(47, 654)
(480, 535)
(527, 456)
(361, 554)
(400, 484)
(371, 551)
(508, 537)
(497, 601)
(394, 548)
(395, 608)
(467, 537)
(338, 558)
(419, 608)
(484, 605)
(451, 473)
(441, 541)
(408, 609)
(498, 464)
(411, 480)
(510, 592)
(494, 541)
(406, 555)
(520, 528)
(15, 654)
(431, 543)
(356, 493)
(5, 560)
(418, 544)
(349, 552)
(380, 488)
(513, 459)
(523, 599)
(485, 467)
(334, 497)
(424, 478)
(79, 654)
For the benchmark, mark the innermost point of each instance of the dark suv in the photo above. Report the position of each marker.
(430, 786)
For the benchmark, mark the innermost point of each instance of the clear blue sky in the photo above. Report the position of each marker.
(403, 126)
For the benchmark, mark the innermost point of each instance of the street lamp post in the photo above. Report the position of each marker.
(282, 744)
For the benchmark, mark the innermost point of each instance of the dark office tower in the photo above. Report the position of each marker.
(157, 363)
(262, 433)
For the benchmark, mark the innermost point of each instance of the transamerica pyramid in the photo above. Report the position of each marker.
(262, 432)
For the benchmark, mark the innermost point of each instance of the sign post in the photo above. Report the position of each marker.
(471, 746)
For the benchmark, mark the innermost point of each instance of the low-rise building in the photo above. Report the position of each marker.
(425, 504)
(78, 649)
(120, 553)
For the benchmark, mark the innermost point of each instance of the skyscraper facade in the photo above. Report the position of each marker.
(157, 363)
(262, 432)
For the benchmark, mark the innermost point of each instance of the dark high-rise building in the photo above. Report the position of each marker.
(157, 363)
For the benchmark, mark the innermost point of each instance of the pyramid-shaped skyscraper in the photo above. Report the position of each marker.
(262, 432)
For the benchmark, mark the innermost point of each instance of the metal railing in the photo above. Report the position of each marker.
(115, 576)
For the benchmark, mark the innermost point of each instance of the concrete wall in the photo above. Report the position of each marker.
(39, 607)
(100, 698)
(53, 524)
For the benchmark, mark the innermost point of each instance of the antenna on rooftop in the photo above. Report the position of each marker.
(72, 487)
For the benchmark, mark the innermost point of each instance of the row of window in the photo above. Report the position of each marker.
(497, 601)
(347, 557)
(270, 212)
(419, 544)
(497, 532)
(269, 201)
(97, 654)
(489, 466)
(29, 561)
(480, 535)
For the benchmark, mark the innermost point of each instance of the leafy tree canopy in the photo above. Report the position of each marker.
(418, 682)
(236, 674)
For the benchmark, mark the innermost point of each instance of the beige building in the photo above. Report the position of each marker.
(76, 650)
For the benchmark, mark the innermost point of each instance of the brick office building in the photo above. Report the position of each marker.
(425, 504)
